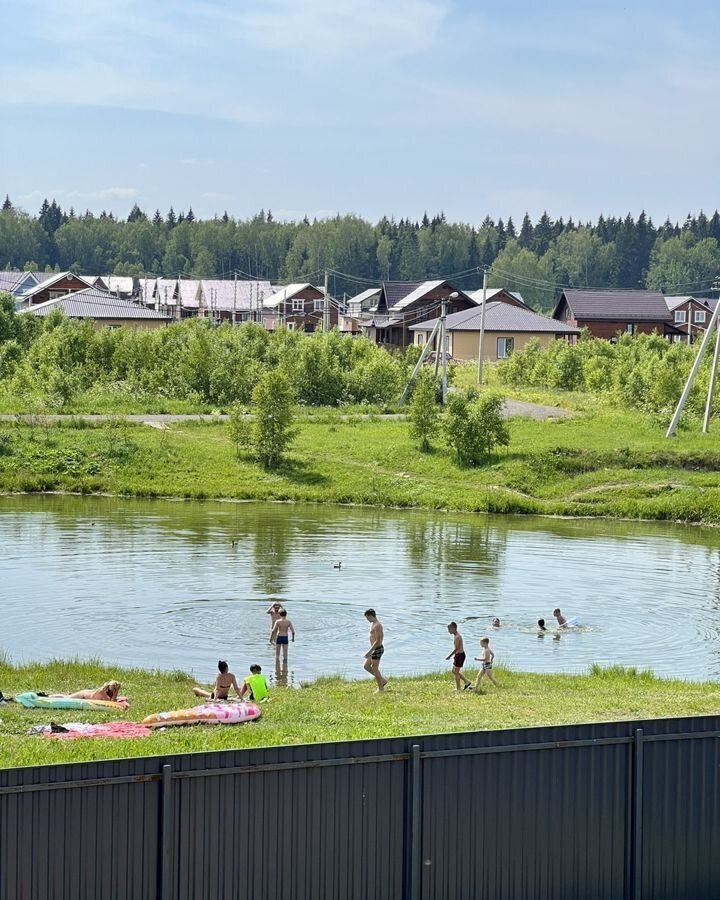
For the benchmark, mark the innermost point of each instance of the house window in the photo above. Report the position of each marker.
(505, 346)
(630, 328)
(420, 338)
(290, 326)
(298, 306)
(680, 316)
(319, 305)
(699, 317)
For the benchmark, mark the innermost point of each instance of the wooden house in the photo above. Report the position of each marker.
(691, 316)
(299, 307)
(58, 285)
(608, 313)
(401, 304)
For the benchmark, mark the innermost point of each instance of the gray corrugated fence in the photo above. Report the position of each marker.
(611, 811)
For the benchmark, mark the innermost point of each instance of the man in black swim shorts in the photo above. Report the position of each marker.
(458, 655)
(374, 654)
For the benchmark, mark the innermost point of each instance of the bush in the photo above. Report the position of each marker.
(473, 426)
(240, 428)
(423, 412)
(273, 405)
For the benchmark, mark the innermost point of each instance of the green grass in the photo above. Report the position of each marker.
(332, 709)
(600, 463)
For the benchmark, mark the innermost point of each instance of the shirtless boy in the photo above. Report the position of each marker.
(282, 628)
(561, 620)
(374, 654)
(274, 612)
(458, 654)
(221, 689)
(486, 663)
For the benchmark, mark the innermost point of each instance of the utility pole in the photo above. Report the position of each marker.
(234, 312)
(693, 371)
(261, 298)
(443, 316)
(326, 305)
(711, 386)
(482, 328)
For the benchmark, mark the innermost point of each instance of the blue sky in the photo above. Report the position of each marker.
(366, 106)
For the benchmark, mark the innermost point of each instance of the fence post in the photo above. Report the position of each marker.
(415, 830)
(166, 834)
(636, 846)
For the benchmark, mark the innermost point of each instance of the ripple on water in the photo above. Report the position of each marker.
(161, 584)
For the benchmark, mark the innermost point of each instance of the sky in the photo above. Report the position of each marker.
(372, 107)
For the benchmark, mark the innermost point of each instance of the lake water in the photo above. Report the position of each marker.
(160, 584)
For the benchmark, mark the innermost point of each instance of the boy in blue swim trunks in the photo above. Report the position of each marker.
(282, 628)
(374, 654)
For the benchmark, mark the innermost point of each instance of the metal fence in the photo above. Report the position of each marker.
(616, 810)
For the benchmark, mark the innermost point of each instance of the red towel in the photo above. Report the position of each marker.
(113, 730)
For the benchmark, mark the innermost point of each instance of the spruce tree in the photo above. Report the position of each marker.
(171, 218)
(510, 230)
(190, 217)
(526, 233)
(542, 234)
(7, 204)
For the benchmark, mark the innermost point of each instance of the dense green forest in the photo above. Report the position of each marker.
(535, 258)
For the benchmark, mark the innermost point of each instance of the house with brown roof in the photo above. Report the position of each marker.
(608, 313)
(691, 316)
(299, 307)
(401, 304)
(509, 326)
(58, 285)
(103, 307)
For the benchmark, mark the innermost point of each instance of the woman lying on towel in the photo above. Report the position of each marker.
(109, 691)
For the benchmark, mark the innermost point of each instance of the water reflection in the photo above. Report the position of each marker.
(170, 584)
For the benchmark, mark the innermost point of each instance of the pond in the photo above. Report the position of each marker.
(178, 585)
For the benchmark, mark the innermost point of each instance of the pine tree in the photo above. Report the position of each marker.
(270, 216)
(526, 233)
(135, 214)
(7, 204)
(510, 230)
(542, 234)
(225, 217)
(158, 219)
(190, 217)
(425, 220)
(171, 218)
(714, 226)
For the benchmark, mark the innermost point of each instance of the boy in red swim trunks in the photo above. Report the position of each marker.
(458, 654)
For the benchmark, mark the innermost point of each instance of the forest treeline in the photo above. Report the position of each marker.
(536, 258)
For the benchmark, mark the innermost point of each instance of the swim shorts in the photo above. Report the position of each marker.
(459, 660)
(281, 639)
(487, 667)
(377, 652)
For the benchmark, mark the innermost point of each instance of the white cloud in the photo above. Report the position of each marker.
(336, 28)
(68, 196)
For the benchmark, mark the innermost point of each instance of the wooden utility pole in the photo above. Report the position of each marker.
(443, 316)
(234, 312)
(326, 305)
(481, 349)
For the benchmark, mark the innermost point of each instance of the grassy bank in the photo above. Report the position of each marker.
(601, 463)
(332, 709)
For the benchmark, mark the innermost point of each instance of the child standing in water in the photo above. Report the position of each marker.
(485, 659)
(274, 612)
(561, 620)
(221, 689)
(458, 654)
(282, 628)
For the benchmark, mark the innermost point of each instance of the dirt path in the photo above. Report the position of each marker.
(512, 408)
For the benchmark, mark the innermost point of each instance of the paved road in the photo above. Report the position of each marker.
(512, 408)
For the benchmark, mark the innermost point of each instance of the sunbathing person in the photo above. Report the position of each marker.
(221, 689)
(109, 691)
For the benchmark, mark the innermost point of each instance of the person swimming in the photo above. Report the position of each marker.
(541, 625)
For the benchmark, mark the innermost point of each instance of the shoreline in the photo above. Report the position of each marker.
(332, 708)
(291, 501)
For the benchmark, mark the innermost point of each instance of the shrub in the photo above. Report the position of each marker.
(273, 405)
(423, 412)
(240, 428)
(473, 426)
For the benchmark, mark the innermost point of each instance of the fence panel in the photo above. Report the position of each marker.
(681, 819)
(614, 811)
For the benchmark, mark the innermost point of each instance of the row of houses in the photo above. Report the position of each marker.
(394, 314)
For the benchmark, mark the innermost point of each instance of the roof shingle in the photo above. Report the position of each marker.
(616, 305)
